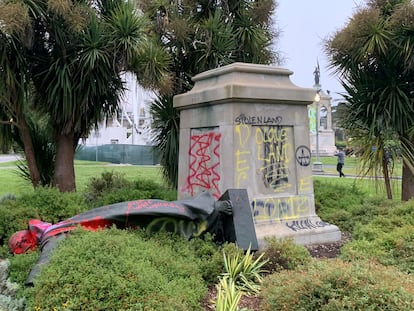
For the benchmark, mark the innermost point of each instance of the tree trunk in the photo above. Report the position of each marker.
(385, 173)
(29, 153)
(64, 176)
(407, 191)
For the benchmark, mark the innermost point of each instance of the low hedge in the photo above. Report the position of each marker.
(281, 254)
(336, 285)
(119, 270)
(112, 187)
(47, 204)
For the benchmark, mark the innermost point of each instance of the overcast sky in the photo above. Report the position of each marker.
(304, 24)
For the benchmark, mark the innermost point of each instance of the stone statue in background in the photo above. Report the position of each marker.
(317, 75)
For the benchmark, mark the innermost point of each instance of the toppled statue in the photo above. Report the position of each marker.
(189, 217)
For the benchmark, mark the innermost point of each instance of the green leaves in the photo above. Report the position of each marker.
(245, 271)
(370, 53)
(243, 275)
(214, 43)
(228, 296)
(119, 270)
(127, 30)
(166, 126)
(200, 36)
(151, 66)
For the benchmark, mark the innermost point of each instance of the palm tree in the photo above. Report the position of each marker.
(166, 124)
(370, 131)
(5, 131)
(14, 78)
(200, 36)
(44, 150)
(76, 58)
(371, 55)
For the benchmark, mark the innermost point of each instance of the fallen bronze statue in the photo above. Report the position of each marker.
(228, 219)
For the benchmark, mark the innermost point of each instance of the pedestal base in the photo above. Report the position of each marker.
(304, 231)
(317, 167)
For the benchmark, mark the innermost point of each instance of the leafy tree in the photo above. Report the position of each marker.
(14, 76)
(74, 54)
(373, 55)
(5, 132)
(44, 149)
(374, 137)
(199, 36)
(166, 126)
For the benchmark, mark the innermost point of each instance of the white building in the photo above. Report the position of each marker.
(133, 125)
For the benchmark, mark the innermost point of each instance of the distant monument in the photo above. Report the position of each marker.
(245, 126)
(320, 119)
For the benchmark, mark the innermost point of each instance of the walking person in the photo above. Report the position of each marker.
(341, 161)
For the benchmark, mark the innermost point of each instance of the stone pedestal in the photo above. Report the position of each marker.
(320, 115)
(246, 126)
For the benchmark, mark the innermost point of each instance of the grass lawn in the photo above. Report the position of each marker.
(351, 166)
(10, 182)
(85, 170)
(370, 186)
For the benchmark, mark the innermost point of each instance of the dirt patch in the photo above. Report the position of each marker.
(328, 250)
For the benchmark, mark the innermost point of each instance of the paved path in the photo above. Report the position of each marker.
(9, 157)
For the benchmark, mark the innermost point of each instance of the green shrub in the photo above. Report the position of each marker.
(13, 217)
(333, 202)
(7, 197)
(228, 295)
(156, 190)
(389, 247)
(331, 196)
(336, 285)
(21, 266)
(46, 204)
(347, 206)
(341, 218)
(4, 251)
(106, 182)
(112, 187)
(53, 206)
(121, 195)
(405, 211)
(368, 210)
(244, 271)
(118, 270)
(361, 250)
(383, 231)
(211, 257)
(282, 254)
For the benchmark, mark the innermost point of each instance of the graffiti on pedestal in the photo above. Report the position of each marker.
(258, 120)
(303, 155)
(204, 162)
(305, 224)
(278, 209)
(271, 143)
(264, 141)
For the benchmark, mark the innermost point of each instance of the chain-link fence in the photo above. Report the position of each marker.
(117, 153)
